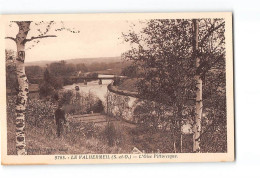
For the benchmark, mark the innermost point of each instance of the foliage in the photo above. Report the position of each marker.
(130, 71)
(92, 75)
(46, 89)
(118, 81)
(153, 115)
(98, 107)
(110, 133)
(79, 102)
(38, 111)
(49, 84)
(66, 97)
(62, 72)
(163, 53)
(77, 137)
(33, 72)
(58, 68)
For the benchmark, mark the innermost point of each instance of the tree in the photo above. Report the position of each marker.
(175, 58)
(129, 71)
(33, 72)
(199, 105)
(211, 70)
(58, 68)
(46, 87)
(162, 52)
(21, 40)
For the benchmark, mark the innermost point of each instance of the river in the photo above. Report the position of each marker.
(93, 86)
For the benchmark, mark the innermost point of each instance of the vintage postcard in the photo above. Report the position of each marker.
(116, 88)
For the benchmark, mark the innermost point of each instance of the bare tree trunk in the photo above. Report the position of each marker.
(198, 109)
(23, 87)
(174, 146)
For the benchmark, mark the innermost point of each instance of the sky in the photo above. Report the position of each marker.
(96, 39)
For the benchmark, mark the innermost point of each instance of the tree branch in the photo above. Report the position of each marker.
(11, 38)
(211, 31)
(39, 37)
(206, 130)
(208, 66)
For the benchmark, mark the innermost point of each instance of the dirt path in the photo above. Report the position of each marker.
(123, 128)
(85, 118)
(98, 118)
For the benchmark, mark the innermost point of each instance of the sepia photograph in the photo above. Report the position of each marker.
(117, 88)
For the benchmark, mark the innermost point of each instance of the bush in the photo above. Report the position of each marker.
(66, 97)
(92, 75)
(80, 103)
(118, 81)
(49, 84)
(39, 113)
(98, 107)
(130, 71)
(46, 89)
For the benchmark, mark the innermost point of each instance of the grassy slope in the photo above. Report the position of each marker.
(41, 134)
(44, 141)
(128, 85)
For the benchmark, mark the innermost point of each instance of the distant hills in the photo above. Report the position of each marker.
(77, 61)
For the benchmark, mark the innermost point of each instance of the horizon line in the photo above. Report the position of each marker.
(71, 59)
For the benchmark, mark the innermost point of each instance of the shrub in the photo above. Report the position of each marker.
(80, 103)
(130, 71)
(118, 81)
(46, 89)
(49, 84)
(98, 107)
(66, 97)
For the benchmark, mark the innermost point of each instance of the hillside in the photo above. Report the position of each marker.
(77, 61)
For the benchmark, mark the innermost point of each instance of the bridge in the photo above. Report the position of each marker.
(84, 79)
(77, 79)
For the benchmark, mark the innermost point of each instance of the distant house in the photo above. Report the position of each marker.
(76, 73)
(85, 74)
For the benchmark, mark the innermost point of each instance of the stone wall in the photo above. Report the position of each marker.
(121, 106)
(129, 107)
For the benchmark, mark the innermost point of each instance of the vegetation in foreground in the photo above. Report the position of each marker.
(79, 137)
